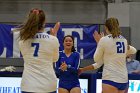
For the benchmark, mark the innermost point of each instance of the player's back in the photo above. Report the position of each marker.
(38, 54)
(115, 50)
(38, 50)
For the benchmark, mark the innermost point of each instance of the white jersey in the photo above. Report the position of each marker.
(112, 53)
(39, 54)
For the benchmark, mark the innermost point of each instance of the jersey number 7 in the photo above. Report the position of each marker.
(36, 45)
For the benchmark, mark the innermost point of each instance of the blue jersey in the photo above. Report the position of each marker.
(73, 62)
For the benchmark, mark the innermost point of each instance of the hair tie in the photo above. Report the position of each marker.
(36, 11)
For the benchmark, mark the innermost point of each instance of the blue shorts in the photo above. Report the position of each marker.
(68, 84)
(120, 86)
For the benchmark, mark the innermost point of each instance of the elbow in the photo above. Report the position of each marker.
(96, 65)
(55, 59)
(96, 59)
(98, 56)
(133, 50)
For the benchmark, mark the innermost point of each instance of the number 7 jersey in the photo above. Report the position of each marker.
(39, 54)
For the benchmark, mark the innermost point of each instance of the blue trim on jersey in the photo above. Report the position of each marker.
(120, 86)
(72, 71)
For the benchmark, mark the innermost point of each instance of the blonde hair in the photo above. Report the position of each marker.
(113, 26)
(34, 23)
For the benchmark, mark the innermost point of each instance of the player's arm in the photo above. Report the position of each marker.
(91, 67)
(87, 68)
(74, 69)
(131, 50)
(56, 49)
(54, 30)
(57, 67)
(98, 56)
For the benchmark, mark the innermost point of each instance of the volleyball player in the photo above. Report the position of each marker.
(39, 51)
(111, 51)
(67, 67)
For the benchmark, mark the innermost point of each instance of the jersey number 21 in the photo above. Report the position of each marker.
(120, 47)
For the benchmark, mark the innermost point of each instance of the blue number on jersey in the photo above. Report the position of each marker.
(120, 47)
(36, 45)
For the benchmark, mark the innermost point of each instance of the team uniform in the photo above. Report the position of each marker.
(112, 53)
(39, 54)
(68, 79)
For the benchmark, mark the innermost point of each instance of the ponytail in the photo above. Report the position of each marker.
(34, 23)
(113, 26)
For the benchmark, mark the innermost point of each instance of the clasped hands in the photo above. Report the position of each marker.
(63, 66)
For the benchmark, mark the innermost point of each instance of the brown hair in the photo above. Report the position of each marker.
(73, 48)
(34, 23)
(113, 26)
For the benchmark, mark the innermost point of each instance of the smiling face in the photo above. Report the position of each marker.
(68, 43)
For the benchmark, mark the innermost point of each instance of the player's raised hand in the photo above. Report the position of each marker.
(53, 31)
(97, 36)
